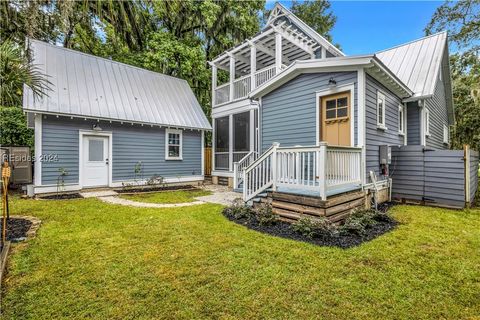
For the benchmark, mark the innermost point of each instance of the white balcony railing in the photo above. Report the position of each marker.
(243, 86)
(222, 94)
(317, 169)
(265, 74)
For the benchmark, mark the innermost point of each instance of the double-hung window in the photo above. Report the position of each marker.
(173, 144)
(401, 119)
(381, 111)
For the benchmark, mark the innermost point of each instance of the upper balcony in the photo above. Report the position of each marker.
(284, 40)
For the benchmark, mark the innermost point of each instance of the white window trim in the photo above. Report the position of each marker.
(401, 109)
(446, 134)
(427, 122)
(174, 131)
(381, 97)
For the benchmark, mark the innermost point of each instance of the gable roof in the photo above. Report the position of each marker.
(303, 26)
(88, 86)
(417, 63)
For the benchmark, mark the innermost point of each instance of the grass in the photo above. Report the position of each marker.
(101, 261)
(177, 196)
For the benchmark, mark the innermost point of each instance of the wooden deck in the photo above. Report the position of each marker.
(291, 207)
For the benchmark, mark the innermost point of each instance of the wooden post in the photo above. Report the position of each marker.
(214, 84)
(278, 52)
(322, 169)
(466, 153)
(253, 65)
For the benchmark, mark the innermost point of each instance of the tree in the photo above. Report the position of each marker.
(462, 21)
(315, 13)
(14, 130)
(16, 70)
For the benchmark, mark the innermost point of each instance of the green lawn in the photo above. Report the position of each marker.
(177, 196)
(101, 261)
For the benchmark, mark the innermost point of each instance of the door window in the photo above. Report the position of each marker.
(95, 150)
(336, 109)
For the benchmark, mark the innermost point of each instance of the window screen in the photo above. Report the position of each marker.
(241, 131)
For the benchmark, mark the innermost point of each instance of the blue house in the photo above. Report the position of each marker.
(105, 123)
(297, 115)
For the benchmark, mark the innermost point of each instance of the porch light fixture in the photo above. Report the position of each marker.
(96, 127)
(332, 82)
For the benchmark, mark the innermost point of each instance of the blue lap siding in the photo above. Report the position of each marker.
(374, 136)
(130, 144)
(288, 114)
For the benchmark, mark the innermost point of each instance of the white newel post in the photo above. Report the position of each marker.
(278, 52)
(322, 169)
(235, 172)
(214, 84)
(232, 76)
(274, 165)
(253, 65)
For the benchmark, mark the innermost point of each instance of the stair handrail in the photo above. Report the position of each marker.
(272, 168)
(239, 167)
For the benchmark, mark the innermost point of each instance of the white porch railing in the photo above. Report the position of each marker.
(222, 94)
(316, 168)
(242, 87)
(240, 166)
(265, 74)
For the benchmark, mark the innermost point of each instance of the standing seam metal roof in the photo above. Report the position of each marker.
(417, 63)
(89, 86)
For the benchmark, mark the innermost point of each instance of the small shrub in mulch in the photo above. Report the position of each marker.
(155, 188)
(61, 196)
(360, 227)
(17, 228)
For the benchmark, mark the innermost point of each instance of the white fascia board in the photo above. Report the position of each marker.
(77, 116)
(379, 64)
(311, 66)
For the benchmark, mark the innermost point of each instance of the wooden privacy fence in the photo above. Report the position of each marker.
(440, 177)
(208, 161)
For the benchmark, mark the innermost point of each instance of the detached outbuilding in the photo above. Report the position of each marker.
(105, 123)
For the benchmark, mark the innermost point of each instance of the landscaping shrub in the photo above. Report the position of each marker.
(360, 220)
(239, 210)
(265, 215)
(314, 227)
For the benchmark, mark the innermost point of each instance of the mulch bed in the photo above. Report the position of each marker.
(62, 196)
(284, 230)
(17, 228)
(156, 188)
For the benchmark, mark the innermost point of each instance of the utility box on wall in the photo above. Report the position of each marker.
(385, 154)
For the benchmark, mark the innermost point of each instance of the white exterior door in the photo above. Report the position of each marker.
(95, 161)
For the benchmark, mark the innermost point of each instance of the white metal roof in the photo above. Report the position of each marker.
(417, 63)
(88, 86)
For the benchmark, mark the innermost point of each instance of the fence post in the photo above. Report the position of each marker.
(466, 153)
(322, 169)
(274, 165)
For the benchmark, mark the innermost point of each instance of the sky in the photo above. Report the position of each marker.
(369, 26)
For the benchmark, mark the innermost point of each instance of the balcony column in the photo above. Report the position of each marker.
(278, 52)
(232, 76)
(253, 64)
(230, 143)
(214, 83)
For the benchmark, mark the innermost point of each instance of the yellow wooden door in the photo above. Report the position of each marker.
(335, 119)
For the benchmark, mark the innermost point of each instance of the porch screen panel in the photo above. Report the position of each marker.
(221, 143)
(241, 135)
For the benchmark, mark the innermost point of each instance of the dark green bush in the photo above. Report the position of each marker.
(238, 210)
(360, 220)
(265, 215)
(314, 227)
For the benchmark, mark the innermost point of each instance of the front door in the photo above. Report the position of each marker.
(335, 119)
(95, 161)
